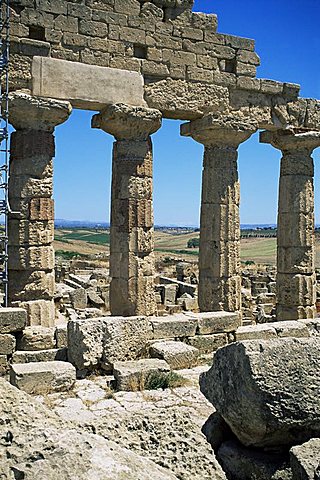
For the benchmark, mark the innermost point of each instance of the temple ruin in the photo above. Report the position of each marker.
(138, 62)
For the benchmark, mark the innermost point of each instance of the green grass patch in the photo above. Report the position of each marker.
(160, 380)
(98, 238)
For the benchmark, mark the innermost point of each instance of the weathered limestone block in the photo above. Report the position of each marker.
(54, 354)
(216, 322)
(173, 326)
(31, 258)
(61, 336)
(256, 332)
(51, 78)
(85, 342)
(4, 364)
(7, 344)
(102, 341)
(219, 252)
(131, 234)
(25, 233)
(12, 319)
(208, 343)
(181, 99)
(39, 312)
(305, 460)
(79, 298)
(133, 375)
(43, 377)
(290, 329)
(36, 338)
(26, 285)
(177, 354)
(264, 390)
(295, 252)
(125, 339)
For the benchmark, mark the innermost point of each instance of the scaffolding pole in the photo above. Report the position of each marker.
(4, 142)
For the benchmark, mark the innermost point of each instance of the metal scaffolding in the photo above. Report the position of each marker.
(4, 143)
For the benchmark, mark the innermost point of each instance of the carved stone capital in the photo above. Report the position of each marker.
(36, 113)
(227, 131)
(128, 123)
(291, 141)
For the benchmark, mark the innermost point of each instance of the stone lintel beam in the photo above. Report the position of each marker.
(292, 140)
(125, 122)
(35, 113)
(225, 131)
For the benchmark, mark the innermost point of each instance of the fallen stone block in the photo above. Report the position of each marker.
(36, 338)
(42, 377)
(254, 332)
(7, 344)
(133, 375)
(125, 338)
(12, 319)
(291, 328)
(177, 354)
(105, 340)
(173, 326)
(265, 390)
(217, 322)
(313, 325)
(61, 336)
(78, 298)
(59, 354)
(95, 300)
(208, 343)
(305, 460)
(85, 340)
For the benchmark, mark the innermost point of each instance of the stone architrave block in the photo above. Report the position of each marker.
(174, 326)
(133, 375)
(265, 390)
(216, 322)
(51, 78)
(43, 377)
(7, 344)
(305, 460)
(178, 355)
(12, 319)
(36, 338)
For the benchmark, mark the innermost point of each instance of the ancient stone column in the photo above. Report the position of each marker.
(219, 253)
(131, 244)
(31, 222)
(296, 281)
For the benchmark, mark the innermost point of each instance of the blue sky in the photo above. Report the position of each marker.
(287, 38)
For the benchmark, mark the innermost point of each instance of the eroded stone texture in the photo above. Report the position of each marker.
(31, 224)
(219, 252)
(265, 390)
(131, 233)
(296, 282)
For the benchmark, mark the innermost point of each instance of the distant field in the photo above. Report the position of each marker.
(259, 250)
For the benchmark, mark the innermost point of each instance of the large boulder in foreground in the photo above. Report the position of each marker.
(267, 391)
(36, 444)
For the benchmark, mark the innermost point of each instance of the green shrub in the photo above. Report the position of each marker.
(162, 380)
